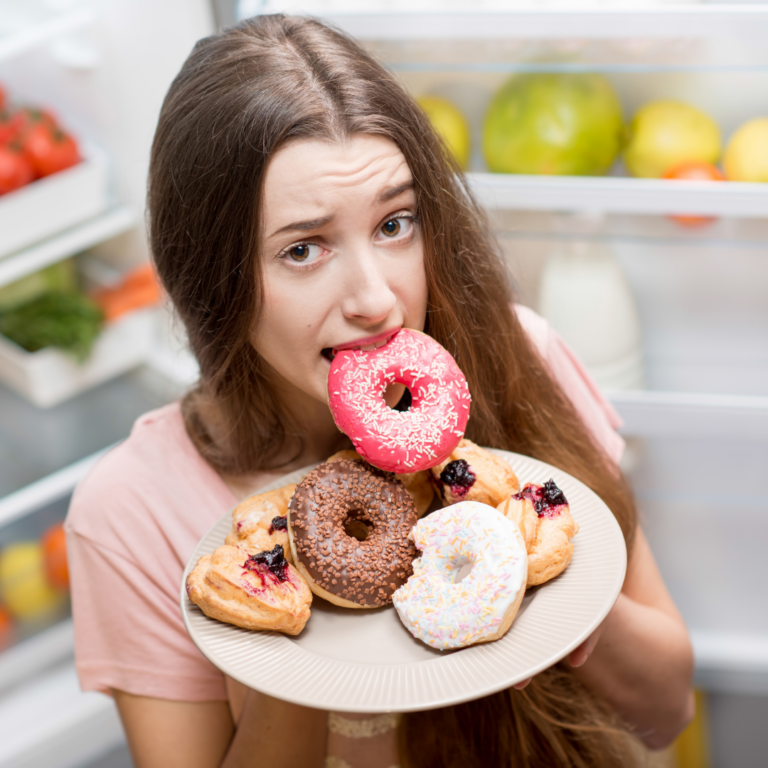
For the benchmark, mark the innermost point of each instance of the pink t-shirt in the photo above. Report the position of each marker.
(137, 517)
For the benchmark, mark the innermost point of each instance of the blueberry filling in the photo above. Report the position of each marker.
(274, 560)
(458, 477)
(279, 523)
(554, 496)
(546, 499)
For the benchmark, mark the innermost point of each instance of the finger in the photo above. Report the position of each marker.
(579, 656)
(522, 684)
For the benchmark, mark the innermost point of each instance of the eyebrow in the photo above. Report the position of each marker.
(303, 226)
(390, 193)
(384, 196)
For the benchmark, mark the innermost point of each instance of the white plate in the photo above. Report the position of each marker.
(350, 660)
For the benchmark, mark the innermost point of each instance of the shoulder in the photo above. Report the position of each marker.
(577, 384)
(154, 481)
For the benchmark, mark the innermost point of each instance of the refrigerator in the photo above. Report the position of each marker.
(686, 368)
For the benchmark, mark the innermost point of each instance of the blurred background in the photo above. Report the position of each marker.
(621, 151)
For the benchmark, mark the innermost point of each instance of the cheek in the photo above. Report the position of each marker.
(283, 325)
(412, 289)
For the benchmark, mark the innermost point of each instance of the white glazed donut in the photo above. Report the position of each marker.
(482, 606)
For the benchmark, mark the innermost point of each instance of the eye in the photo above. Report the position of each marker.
(301, 253)
(397, 227)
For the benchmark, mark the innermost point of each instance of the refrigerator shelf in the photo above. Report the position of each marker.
(50, 721)
(33, 23)
(45, 491)
(113, 221)
(649, 413)
(31, 656)
(620, 195)
(692, 20)
(41, 447)
(732, 663)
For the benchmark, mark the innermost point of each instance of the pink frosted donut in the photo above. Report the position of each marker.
(397, 441)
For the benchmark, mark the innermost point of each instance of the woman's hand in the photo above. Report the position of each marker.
(643, 662)
(575, 658)
(584, 651)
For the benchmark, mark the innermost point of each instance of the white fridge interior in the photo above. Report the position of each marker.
(697, 433)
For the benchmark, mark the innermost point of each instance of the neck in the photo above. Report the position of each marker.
(322, 437)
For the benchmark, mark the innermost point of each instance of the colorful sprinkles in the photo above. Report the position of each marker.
(400, 441)
(446, 614)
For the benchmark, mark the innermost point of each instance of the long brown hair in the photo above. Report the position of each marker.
(240, 96)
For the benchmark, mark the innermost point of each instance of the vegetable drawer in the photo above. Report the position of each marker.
(48, 376)
(54, 203)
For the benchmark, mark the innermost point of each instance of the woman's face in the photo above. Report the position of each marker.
(342, 257)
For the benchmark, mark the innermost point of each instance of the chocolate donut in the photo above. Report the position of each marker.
(349, 524)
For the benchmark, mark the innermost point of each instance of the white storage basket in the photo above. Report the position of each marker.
(54, 203)
(49, 376)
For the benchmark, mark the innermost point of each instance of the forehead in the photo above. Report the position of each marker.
(317, 174)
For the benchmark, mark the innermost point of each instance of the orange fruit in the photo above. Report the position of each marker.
(55, 556)
(6, 622)
(694, 171)
(6, 628)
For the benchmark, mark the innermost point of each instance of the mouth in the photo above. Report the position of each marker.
(363, 345)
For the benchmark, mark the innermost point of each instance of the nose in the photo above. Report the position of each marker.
(368, 294)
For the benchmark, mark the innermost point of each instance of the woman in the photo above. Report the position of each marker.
(300, 202)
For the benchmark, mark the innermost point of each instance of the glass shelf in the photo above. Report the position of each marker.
(35, 443)
(652, 231)
(401, 19)
(614, 194)
(64, 244)
(510, 55)
(575, 67)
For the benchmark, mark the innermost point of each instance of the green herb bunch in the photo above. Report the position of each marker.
(69, 321)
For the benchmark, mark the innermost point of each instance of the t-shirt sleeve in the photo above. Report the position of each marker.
(129, 633)
(598, 414)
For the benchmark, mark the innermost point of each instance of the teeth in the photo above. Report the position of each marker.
(369, 347)
(365, 347)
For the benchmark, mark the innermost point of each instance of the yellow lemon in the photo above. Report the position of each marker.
(664, 134)
(23, 585)
(746, 156)
(450, 124)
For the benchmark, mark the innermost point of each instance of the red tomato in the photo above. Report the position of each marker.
(55, 556)
(5, 621)
(15, 170)
(49, 150)
(7, 127)
(16, 124)
(3, 97)
(694, 171)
